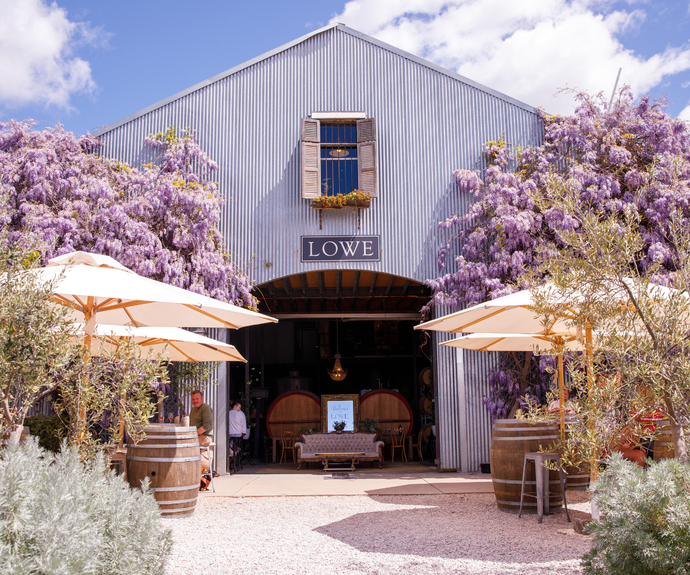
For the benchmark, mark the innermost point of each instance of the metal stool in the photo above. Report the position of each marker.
(542, 476)
(235, 453)
(210, 461)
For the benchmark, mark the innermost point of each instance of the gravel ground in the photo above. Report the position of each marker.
(429, 534)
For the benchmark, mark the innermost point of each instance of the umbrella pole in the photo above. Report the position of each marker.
(590, 388)
(121, 425)
(88, 331)
(561, 395)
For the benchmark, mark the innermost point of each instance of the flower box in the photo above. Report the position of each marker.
(354, 199)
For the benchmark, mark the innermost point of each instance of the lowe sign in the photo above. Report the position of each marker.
(341, 248)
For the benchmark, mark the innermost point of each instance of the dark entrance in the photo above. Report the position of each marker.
(367, 317)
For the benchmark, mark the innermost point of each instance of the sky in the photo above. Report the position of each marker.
(87, 64)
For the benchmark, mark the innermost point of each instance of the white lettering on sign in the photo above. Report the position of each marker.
(335, 249)
(340, 248)
(348, 250)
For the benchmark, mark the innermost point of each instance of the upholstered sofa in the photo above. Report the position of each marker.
(345, 442)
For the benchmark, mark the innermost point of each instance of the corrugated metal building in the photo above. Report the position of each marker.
(274, 125)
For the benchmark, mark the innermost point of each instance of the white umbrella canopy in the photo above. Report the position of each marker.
(524, 342)
(97, 286)
(515, 342)
(172, 343)
(514, 313)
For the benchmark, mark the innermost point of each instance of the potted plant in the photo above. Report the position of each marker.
(369, 425)
(338, 426)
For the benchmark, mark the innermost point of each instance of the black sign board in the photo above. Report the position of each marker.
(341, 248)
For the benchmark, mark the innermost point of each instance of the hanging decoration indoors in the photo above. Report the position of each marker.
(337, 373)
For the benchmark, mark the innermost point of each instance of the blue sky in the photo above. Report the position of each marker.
(87, 64)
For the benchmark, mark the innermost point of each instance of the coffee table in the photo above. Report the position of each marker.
(344, 457)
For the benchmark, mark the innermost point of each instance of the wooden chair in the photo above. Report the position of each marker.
(268, 447)
(287, 443)
(398, 442)
(418, 446)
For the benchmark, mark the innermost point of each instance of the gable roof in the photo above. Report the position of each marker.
(284, 47)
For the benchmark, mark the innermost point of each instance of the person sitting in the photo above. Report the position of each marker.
(201, 417)
(639, 449)
(555, 406)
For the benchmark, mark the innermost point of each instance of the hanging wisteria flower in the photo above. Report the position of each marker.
(627, 160)
(161, 220)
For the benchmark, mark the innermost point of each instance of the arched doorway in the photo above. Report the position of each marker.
(366, 316)
(343, 292)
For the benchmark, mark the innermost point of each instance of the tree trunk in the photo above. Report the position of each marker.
(15, 434)
(524, 370)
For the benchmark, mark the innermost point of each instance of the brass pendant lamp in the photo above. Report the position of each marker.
(337, 373)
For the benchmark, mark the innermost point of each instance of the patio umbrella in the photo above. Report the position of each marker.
(98, 288)
(514, 342)
(522, 342)
(173, 343)
(513, 313)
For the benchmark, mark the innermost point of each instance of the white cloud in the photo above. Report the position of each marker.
(528, 49)
(37, 64)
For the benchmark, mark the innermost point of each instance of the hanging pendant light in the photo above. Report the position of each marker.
(337, 373)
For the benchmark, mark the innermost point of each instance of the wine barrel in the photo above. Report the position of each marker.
(663, 442)
(576, 478)
(389, 407)
(510, 440)
(169, 457)
(293, 410)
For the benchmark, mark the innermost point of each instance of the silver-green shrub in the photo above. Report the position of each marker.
(59, 516)
(645, 520)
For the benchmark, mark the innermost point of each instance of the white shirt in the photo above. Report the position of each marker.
(237, 423)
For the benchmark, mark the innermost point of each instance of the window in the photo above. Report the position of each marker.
(338, 154)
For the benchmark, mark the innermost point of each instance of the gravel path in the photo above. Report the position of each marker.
(438, 534)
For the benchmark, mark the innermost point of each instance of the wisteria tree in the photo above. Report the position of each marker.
(630, 156)
(160, 220)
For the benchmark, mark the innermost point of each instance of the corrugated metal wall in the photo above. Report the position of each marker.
(429, 122)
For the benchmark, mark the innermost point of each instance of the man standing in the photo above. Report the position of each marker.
(201, 417)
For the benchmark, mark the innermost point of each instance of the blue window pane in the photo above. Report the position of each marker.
(338, 162)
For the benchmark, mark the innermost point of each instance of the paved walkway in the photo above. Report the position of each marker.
(411, 479)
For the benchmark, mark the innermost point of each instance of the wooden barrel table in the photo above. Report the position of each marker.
(510, 440)
(169, 457)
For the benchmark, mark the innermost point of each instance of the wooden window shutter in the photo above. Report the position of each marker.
(366, 156)
(311, 158)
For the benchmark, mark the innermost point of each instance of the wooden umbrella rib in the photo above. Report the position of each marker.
(207, 314)
(189, 358)
(68, 302)
(216, 349)
(463, 327)
(494, 342)
(122, 304)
